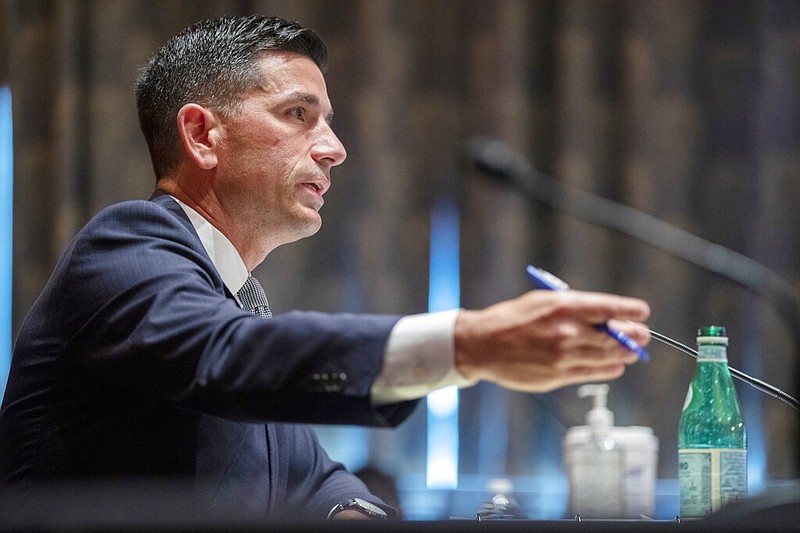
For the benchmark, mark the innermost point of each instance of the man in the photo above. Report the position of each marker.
(142, 359)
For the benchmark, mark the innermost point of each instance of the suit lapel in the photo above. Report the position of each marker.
(236, 463)
(166, 201)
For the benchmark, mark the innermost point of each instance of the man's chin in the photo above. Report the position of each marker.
(309, 226)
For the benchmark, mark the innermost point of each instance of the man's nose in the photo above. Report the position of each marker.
(328, 148)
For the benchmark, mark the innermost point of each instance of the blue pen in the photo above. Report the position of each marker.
(543, 279)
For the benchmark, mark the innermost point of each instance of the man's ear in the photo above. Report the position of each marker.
(198, 128)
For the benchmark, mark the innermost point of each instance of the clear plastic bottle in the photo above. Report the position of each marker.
(596, 466)
(712, 437)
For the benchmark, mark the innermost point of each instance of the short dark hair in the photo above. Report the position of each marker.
(211, 63)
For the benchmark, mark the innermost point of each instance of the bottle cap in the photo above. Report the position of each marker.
(712, 335)
(712, 331)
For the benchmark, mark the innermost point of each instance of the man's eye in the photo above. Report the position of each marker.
(298, 112)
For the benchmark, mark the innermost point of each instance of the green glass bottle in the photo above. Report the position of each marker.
(712, 438)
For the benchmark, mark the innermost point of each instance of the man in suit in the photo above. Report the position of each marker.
(142, 358)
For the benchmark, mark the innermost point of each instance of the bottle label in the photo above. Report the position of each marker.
(710, 478)
(712, 353)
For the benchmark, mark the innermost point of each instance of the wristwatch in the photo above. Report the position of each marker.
(362, 506)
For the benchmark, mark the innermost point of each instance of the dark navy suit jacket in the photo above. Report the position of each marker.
(136, 363)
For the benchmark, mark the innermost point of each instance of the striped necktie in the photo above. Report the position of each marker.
(253, 298)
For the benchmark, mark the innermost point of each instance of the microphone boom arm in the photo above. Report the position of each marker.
(500, 161)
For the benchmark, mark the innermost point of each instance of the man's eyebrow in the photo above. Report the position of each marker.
(311, 99)
(303, 96)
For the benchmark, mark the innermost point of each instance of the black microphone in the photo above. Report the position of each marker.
(504, 164)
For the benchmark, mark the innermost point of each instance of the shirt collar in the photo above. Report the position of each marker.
(222, 252)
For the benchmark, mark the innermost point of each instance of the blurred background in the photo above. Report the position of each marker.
(686, 110)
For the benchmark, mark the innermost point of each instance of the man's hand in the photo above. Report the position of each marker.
(544, 340)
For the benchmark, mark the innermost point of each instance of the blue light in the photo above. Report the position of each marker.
(6, 232)
(444, 289)
(444, 293)
(751, 402)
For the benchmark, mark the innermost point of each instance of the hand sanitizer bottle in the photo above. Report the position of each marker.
(595, 465)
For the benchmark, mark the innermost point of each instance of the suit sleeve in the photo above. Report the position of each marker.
(317, 482)
(148, 313)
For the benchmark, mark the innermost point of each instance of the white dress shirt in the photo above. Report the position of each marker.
(419, 355)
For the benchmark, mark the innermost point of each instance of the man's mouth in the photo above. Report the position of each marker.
(318, 186)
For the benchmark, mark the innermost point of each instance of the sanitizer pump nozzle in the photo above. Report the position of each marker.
(599, 418)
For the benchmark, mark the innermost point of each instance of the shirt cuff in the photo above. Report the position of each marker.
(419, 358)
